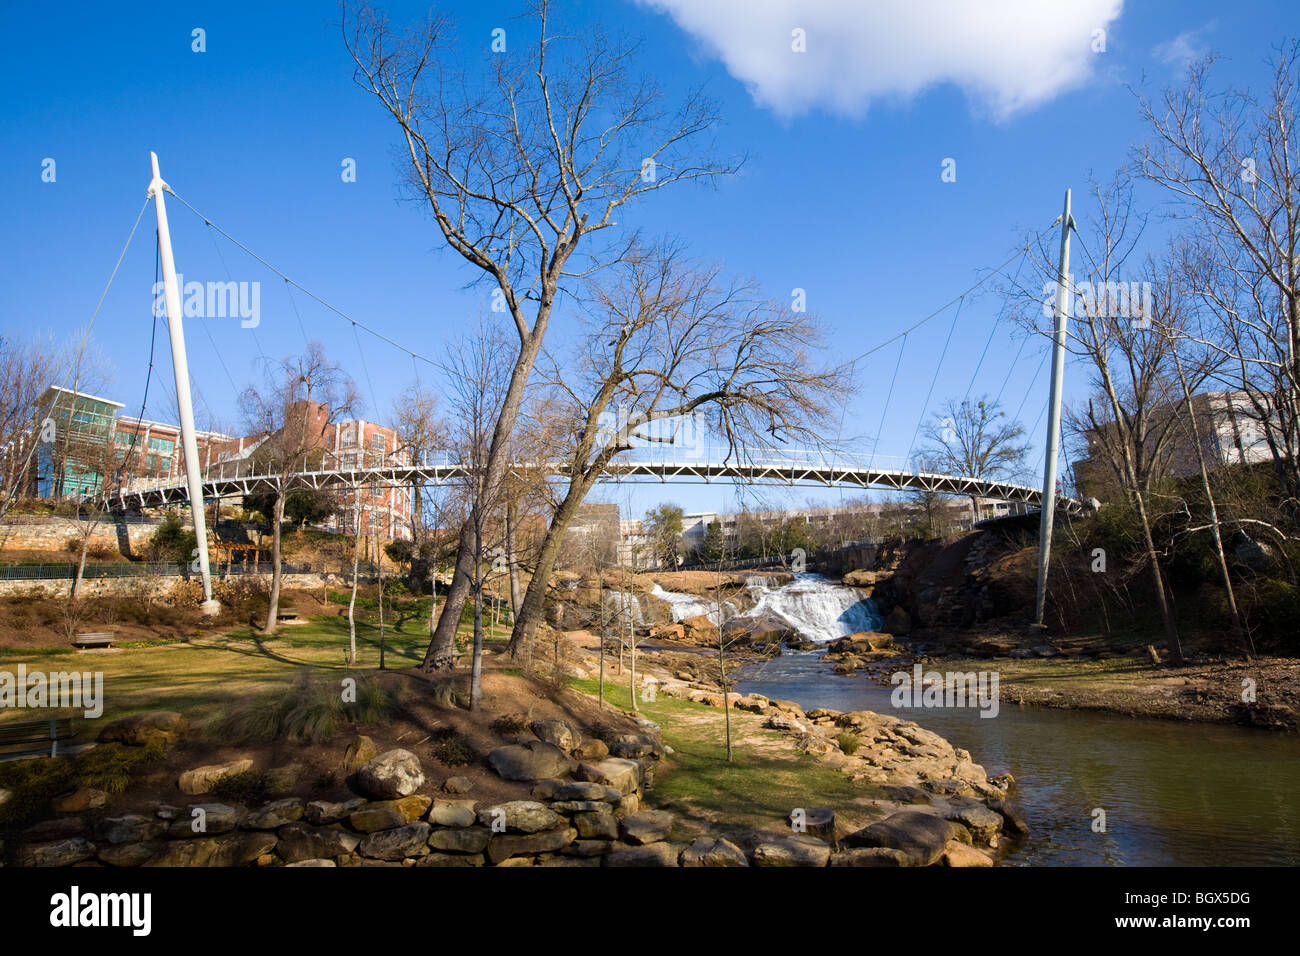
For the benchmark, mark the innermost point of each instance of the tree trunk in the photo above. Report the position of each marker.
(530, 611)
(604, 636)
(476, 666)
(442, 647)
(1158, 580)
(81, 568)
(726, 693)
(1238, 631)
(440, 654)
(273, 612)
(433, 597)
(512, 562)
(379, 564)
(352, 602)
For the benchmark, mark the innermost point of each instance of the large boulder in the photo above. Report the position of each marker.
(764, 629)
(790, 849)
(597, 824)
(128, 854)
(460, 839)
(532, 760)
(959, 854)
(131, 828)
(202, 779)
(164, 726)
(983, 824)
(396, 844)
(817, 822)
(452, 813)
(206, 819)
(56, 852)
(653, 854)
(636, 745)
(648, 826)
(586, 790)
(862, 578)
(299, 842)
(557, 733)
(700, 630)
(394, 774)
(707, 851)
(519, 816)
(358, 753)
(276, 814)
(235, 849)
(503, 846)
(621, 774)
(321, 812)
(921, 836)
(387, 814)
(870, 856)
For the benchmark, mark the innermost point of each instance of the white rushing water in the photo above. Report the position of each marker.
(818, 609)
(682, 606)
(619, 604)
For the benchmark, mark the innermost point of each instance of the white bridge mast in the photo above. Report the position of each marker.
(1048, 505)
(193, 477)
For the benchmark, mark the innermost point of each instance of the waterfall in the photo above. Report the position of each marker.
(818, 609)
(622, 603)
(682, 606)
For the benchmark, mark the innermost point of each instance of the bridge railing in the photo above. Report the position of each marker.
(688, 458)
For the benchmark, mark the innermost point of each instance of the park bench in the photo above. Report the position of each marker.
(96, 639)
(23, 738)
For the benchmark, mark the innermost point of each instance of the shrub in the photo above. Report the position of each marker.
(34, 783)
(309, 711)
(454, 752)
(247, 787)
(508, 725)
(172, 541)
(849, 742)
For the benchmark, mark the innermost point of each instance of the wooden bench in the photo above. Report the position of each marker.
(24, 738)
(97, 639)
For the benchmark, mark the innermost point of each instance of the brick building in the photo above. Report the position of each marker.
(91, 439)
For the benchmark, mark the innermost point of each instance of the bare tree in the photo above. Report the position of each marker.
(1231, 160)
(1115, 337)
(27, 367)
(479, 376)
(668, 343)
(974, 438)
(299, 401)
(520, 172)
(421, 432)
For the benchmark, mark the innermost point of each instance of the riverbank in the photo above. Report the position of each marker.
(1263, 692)
(865, 775)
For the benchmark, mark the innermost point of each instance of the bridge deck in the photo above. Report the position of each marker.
(239, 479)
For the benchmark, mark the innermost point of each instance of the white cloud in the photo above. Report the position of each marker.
(1184, 48)
(1007, 55)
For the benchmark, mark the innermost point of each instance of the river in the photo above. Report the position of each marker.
(1173, 793)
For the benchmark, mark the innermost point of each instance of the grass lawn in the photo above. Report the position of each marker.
(202, 676)
(763, 782)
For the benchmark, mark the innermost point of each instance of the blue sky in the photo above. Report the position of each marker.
(842, 195)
